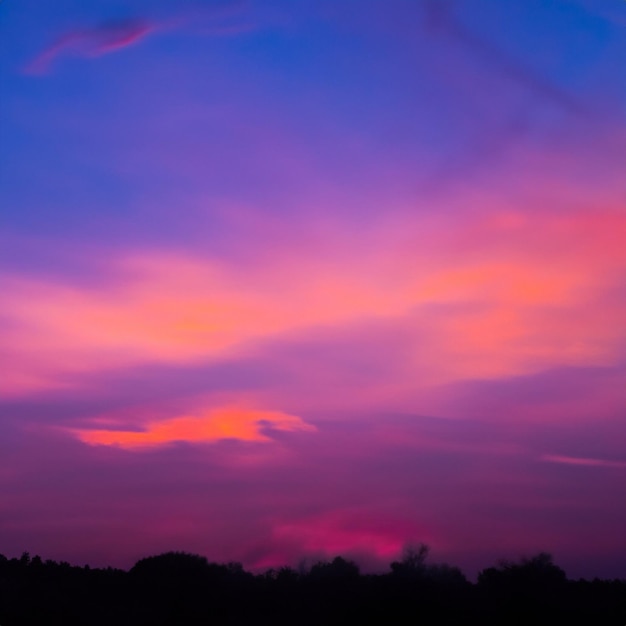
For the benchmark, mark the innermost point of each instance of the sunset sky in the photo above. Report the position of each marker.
(286, 279)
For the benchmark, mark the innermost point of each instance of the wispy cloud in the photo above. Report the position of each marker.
(109, 36)
(441, 21)
(614, 13)
(586, 462)
(102, 39)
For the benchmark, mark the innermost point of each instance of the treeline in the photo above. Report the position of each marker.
(180, 589)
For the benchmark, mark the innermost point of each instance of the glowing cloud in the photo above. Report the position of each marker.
(343, 532)
(218, 424)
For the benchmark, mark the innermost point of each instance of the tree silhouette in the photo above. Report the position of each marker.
(413, 567)
(537, 574)
(181, 588)
(413, 563)
(338, 569)
(170, 565)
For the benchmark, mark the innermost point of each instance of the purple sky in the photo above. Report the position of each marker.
(284, 280)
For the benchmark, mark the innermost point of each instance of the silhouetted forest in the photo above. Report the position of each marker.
(180, 589)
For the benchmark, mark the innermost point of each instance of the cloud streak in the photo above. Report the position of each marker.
(114, 35)
(441, 21)
(583, 462)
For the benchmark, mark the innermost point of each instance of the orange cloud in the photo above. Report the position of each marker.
(223, 423)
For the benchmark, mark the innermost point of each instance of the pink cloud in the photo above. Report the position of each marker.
(347, 532)
(504, 295)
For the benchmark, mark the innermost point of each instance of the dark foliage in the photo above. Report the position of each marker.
(183, 589)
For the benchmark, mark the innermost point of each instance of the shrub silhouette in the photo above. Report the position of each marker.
(535, 575)
(171, 565)
(413, 563)
(338, 569)
(413, 567)
(530, 590)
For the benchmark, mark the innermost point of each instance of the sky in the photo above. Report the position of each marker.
(287, 279)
